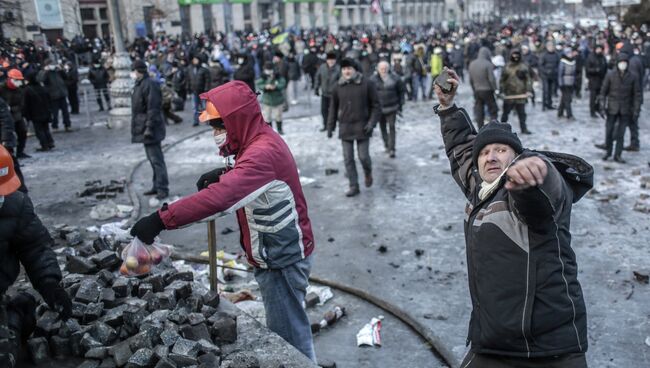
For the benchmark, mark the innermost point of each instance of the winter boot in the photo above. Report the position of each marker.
(353, 191)
(368, 180)
(279, 125)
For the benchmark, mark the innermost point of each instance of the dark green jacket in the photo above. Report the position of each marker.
(272, 97)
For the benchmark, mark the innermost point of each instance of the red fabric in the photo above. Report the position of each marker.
(261, 157)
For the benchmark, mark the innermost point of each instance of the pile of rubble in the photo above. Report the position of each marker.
(164, 320)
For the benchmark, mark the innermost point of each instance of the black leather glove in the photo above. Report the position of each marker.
(368, 128)
(148, 133)
(57, 298)
(209, 178)
(329, 133)
(148, 227)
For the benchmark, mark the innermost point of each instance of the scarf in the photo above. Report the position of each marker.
(489, 188)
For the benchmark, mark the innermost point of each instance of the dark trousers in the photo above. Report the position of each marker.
(483, 99)
(157, 160)
(520, 108)
(62, 105)
(17, 322)
(42, 131)
(363, 150)
(73, 99)
(474, 360)
(418, 82)
(169, 114)
(614, 132)
(578, 90)
(565, 101)
(387, 126)
(21, 134)
(593, 96)
(98, 94)
(324, 109)
(634, 132)
(548, 88)
(19, 173)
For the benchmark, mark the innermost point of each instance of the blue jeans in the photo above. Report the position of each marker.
(157, 160)
(198, 107)
(421, 82)
(283, 291)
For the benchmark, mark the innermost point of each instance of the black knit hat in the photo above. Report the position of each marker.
(348, 62)
(140, 66)
(495, 132)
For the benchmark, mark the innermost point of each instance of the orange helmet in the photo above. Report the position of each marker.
(15, 74)
(209, 113)
(9, 181)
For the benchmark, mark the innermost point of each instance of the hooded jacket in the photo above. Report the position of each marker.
(567, 72)
(263, 187)
(522, 271)
(481, 72)
(146, 112)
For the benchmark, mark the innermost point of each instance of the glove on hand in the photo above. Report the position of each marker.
(148, 227)
(209, 178)
(148, 133)
(57, 298)
(368, 128)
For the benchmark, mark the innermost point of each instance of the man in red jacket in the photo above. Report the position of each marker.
(264, 190)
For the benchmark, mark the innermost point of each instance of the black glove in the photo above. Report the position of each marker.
(329, 133)
(148, 227)
(316, 92)
(57, 298)
(11, 150)
(209, 178)
(368, 128)
(148, 133)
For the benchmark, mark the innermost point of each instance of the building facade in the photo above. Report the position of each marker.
(91, 18)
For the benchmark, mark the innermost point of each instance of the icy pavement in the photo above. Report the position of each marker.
(414, 205)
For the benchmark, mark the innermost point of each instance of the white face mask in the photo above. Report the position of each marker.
(133, 75)
(220, 139)
(17, 82)
(622, 66)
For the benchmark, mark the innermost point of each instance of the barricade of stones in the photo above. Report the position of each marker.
(162, 320)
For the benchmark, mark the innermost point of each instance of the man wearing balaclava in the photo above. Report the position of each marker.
(515, 85)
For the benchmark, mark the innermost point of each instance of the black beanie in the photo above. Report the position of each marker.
(140, 66)
(495, 132)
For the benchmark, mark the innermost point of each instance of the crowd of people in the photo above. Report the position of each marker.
(242, 84)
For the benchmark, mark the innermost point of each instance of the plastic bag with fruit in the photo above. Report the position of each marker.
(138, 257)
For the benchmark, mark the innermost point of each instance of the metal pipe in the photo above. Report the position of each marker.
(212, 254)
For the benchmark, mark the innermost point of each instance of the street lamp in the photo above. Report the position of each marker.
(122, 86)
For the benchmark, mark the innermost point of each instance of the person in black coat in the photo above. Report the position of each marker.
(7, 130)
(52, 78)
(148, 126)
(199, 79)
(24, 241)
(310, 64)
(179, 82)
(72, 83)
(621, 98)
(244, 70)
(549, 63)
(36, 108)
(356, 106)
(12, 92)
(596, 69)
(98, 76)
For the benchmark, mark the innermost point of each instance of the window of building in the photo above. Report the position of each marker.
(185, 19)
(297, 21)
(87, 13)
(362, 15)
(105, 30)
(248, 19)
(89, 30)
(103, 14)
(265, 15)
(206, 9)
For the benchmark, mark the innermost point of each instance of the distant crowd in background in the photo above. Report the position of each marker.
(500, 61)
